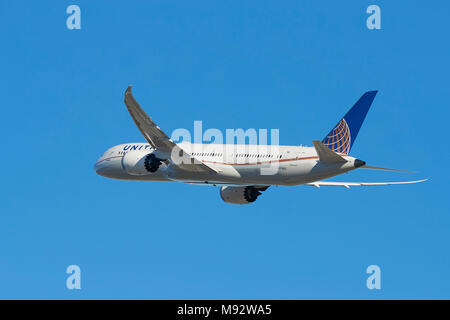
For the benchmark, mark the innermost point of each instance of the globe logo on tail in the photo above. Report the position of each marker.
(339, 139)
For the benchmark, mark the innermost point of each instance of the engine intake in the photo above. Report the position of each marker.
(241, 195)
(152, 163)
(140, 162)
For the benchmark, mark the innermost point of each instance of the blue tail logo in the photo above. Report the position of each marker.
(339, 139)
(343, 135)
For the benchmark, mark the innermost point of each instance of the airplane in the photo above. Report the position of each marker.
(239, 168)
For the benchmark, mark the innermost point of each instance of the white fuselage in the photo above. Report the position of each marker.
(233, 164)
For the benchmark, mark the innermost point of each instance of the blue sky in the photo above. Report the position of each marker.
(297, 66)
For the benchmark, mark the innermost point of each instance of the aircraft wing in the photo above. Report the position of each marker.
(318, 184)
(159, 140)
(151, 132)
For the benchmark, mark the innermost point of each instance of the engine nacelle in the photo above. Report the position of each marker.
(240, 195)
(141, 162)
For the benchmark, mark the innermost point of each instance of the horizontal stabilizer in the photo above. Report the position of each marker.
(385, 169)
(318, 184)
(326, 155)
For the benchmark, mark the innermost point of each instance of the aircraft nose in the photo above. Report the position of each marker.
(100, 167)
(97, 166)
(109, 167)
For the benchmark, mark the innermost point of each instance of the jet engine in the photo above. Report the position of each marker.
(241, 195)
(141, 162)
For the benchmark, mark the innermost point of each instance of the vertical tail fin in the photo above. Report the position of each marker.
(343, 135)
